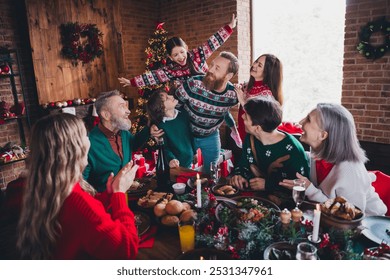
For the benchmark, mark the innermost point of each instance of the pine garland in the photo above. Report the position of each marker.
(248, 240)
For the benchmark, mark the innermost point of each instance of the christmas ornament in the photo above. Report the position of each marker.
(77, 101)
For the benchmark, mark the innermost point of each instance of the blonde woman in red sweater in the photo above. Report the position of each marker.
(60, 217)
(266, 76)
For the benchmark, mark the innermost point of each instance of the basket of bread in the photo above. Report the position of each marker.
(170, 213)
(340, 214)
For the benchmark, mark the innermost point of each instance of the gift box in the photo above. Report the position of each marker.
(226, 162)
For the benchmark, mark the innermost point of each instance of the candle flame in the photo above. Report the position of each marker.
(201, 258)
(318, 207)
(197, 176)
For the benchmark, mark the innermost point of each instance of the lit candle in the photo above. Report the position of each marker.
(198, 192)
(316, 223)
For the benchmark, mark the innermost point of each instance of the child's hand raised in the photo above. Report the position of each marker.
(125, 82)
(233, 23)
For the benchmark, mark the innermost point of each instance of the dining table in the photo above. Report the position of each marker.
(166, 244)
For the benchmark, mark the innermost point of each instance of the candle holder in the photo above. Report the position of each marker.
(296, 215)
(285, 216)
(310, 238)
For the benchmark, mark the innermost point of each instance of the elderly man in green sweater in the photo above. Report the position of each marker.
(112, 143)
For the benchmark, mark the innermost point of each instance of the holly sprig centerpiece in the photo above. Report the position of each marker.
(248, 239)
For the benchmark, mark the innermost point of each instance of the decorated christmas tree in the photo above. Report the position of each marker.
(155, 58)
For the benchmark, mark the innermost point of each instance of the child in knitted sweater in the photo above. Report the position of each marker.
(266, 76)
(161, 109)
(184, 64)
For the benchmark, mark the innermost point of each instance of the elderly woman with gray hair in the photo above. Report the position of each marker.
(337, 160)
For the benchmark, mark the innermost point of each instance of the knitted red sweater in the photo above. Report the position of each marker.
(89, 231)
(258, 89)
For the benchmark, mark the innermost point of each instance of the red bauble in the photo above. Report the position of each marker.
(150, 55)
(141, 92)
(52, 105)
(163, 61)
(70, 102)
(5, 69)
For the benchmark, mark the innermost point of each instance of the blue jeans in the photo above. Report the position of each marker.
(210, 147)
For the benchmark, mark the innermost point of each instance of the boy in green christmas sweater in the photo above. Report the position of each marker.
(268, 155)
(178, 140)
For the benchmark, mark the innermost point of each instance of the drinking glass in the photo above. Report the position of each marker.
(187, 235)
(298, 192)
(306, 251)
(215, 172)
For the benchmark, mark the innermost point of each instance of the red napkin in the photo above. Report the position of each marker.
(247, 193)
(183, 177)
(147, 239)
(291, 128)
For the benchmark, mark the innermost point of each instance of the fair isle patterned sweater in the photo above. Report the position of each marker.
(174, 71)
(258, 89)
(268, 156)
(206, 109)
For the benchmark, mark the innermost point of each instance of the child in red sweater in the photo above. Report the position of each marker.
(60, 218)
(266, 75)
(184, 64)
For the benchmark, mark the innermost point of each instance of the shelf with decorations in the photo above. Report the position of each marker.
(12, 108)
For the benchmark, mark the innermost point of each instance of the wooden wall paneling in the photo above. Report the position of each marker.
(57, 79)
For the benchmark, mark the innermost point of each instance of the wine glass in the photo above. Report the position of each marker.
(215, 172)
(298, 191)
(306, 251)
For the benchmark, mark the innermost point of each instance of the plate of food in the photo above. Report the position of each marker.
(280, 251)
(152, 198)
(142, 222)
(377, 228)
(192, 182)
(246, 209)
(141, 186)
(225, 190)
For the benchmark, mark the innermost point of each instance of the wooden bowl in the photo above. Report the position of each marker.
(328, 221)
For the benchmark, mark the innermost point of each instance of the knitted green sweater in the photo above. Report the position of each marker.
(178, 140)
(102, 160)
(268, 155)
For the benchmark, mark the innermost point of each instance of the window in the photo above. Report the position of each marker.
(308, 37)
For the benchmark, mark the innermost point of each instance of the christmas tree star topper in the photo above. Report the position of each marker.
(160, 25)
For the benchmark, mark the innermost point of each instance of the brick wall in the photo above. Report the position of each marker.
(139, 20)
(366, 83)
(14, 35)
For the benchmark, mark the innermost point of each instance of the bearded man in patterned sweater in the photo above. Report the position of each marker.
(207, 99)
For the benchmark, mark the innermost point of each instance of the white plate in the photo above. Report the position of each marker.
(375, 228)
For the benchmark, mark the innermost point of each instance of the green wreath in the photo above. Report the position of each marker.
(368, 50)
(81, 42)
